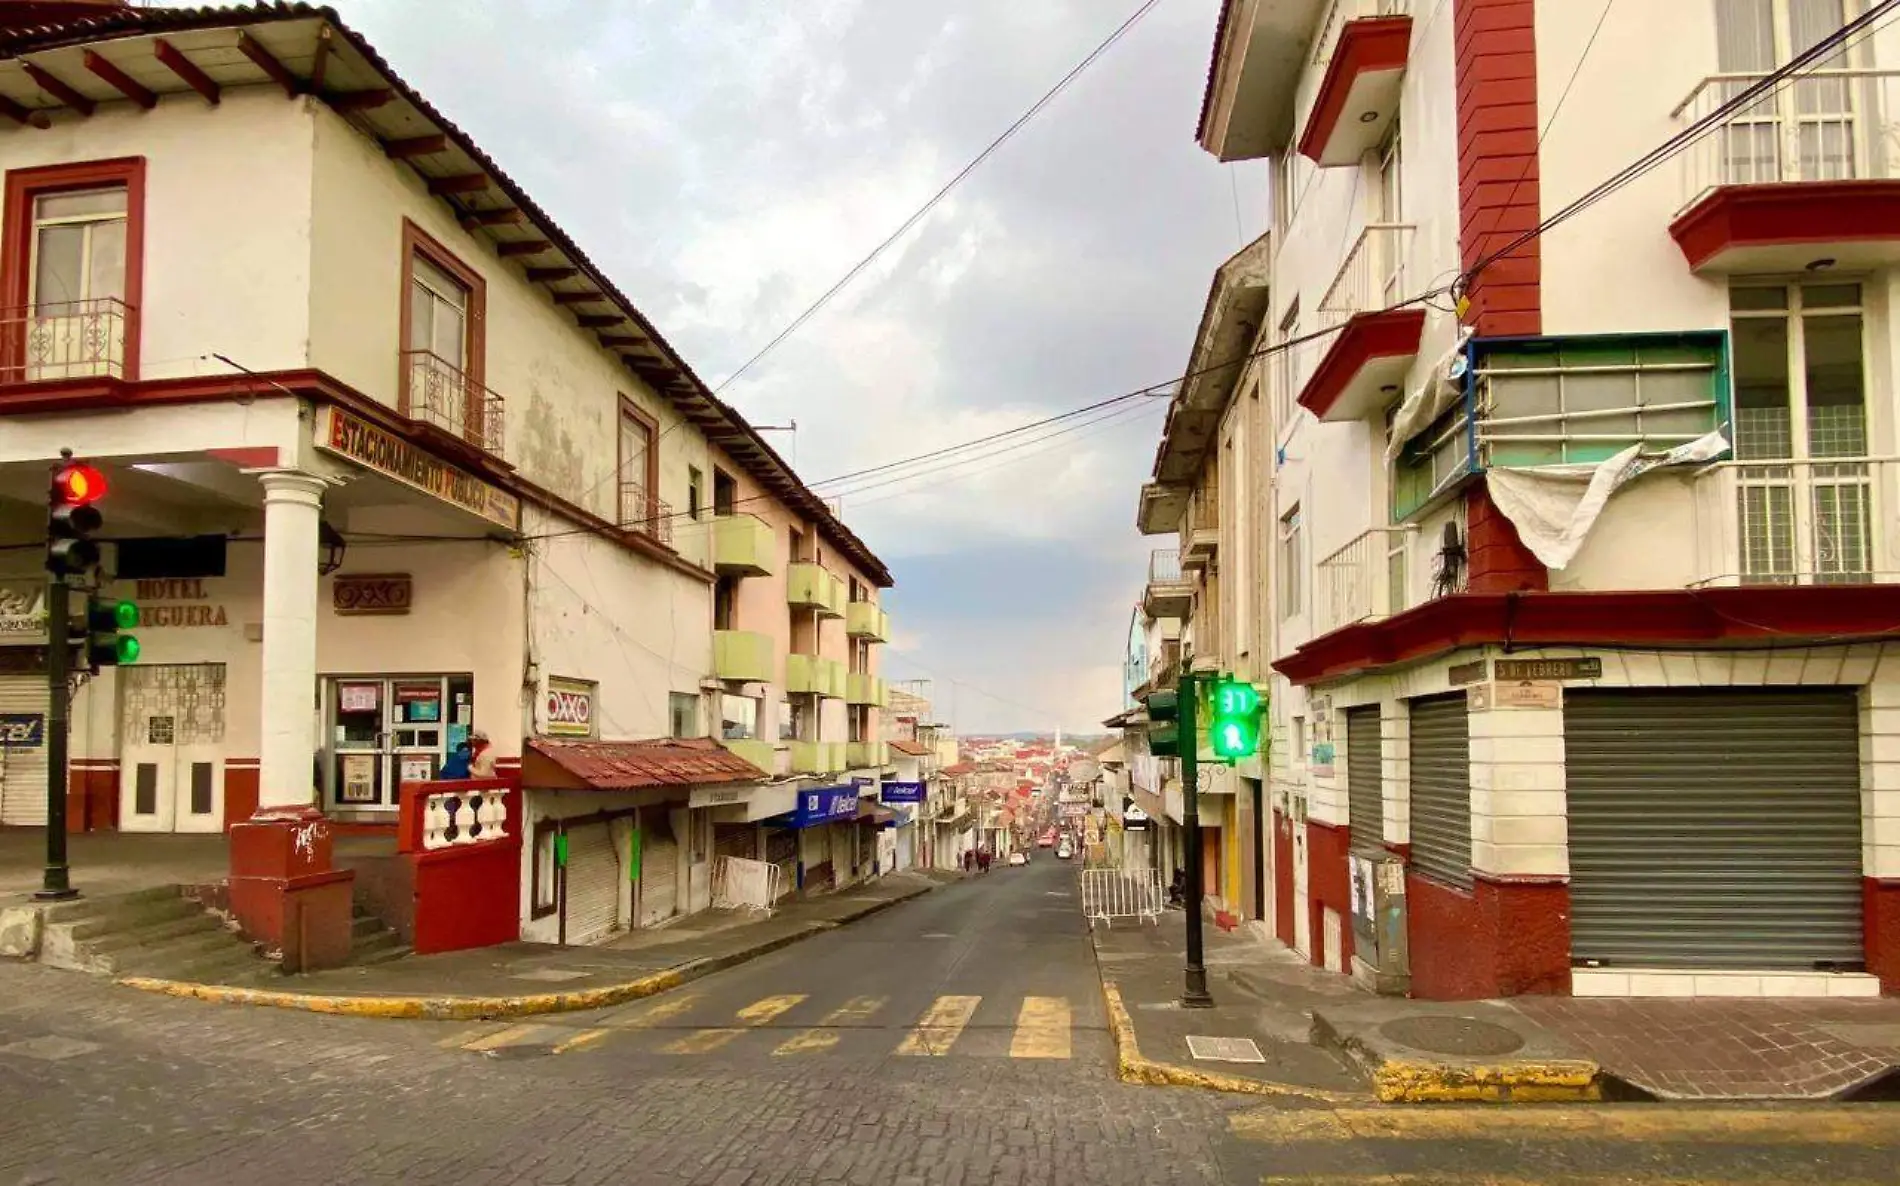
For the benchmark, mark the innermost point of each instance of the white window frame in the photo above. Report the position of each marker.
(1292, 564)
(89, 225)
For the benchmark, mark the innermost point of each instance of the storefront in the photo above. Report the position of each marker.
(23, 702)
(905, 799)
(381, 731)
(825, 824)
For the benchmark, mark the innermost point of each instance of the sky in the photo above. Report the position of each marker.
(726, 161)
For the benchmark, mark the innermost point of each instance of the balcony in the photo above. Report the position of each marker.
(1832, 521)
(644, 514)
(1365, 580)
(69, 340)
(867, 755)
(443, 398)
(1200, 529)
(863, 619)
(818, 757)
(742, 656)
(1805, 178)
(810, 586)
(1365, 45)
(811, 675)
(1367, 360)
(864, 688)
(744, 545)
(762, 754)
(1170, 592)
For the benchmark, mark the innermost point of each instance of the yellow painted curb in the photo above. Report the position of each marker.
(1533, 1081)
(1132, 1067)
(417, 1008)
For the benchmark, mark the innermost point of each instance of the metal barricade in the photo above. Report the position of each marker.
(742, 884)
(1109, 894)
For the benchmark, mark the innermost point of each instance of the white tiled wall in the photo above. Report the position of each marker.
(1518, 824)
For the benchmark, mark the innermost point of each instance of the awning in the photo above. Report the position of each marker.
(869, 812)
(557, 764)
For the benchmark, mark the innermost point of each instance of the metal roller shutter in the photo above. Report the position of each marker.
(659, 871)
(593, 884)
(1441, 789)
(735, 840)
(1365, 775)
(23, 768)
(781, 848)
(1715, 828)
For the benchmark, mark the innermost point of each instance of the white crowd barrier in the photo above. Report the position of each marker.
(1109, 894)
(741, 884)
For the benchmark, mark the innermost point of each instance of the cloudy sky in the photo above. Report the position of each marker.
(726, 161)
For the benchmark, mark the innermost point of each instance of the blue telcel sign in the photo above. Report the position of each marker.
(823, 805)
(902, 792)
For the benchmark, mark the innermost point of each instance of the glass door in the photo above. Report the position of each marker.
(383, 731)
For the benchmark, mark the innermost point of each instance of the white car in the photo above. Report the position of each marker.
(1016, 858)
(1064, 851)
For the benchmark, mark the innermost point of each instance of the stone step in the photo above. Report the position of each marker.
(195, 946)
(89, 906)
(382, 955)
(381, 941)
(105, 918)
(155, 933)
(225, 967)
(364, 926)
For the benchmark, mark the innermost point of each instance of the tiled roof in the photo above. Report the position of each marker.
(960, 768)
(628, 765)
(911, 748)
(1213, 67)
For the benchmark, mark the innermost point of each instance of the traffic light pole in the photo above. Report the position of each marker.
(1194, 995)
(57, 886)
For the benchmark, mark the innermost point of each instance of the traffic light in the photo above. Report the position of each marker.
(1164, 736)
(1233, 731)
(107, 644)
(71, 518)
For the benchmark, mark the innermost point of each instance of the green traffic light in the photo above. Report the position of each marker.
(125, 615)
(127, 648)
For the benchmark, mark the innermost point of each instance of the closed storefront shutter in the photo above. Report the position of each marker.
(781, 848)
(1441, 789)
(1365, 796)
(593, 884)
(735, 840)
(1715, 828)
(23, 768)
(659, 869)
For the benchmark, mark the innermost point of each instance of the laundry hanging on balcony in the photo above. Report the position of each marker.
(1554, 507)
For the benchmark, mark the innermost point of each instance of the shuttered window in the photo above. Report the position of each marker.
(659, 869)
(1715, 828)
(23, 767)
(1365, 797)
(1441, 789)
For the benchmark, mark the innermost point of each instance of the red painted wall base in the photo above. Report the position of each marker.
(1501, 938)
(1282, 878)
(286, 893)
(1329, 884)
(1881, 912)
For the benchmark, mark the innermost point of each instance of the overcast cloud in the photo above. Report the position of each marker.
(726, 160)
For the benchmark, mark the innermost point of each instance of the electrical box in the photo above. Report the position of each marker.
(1380, 960)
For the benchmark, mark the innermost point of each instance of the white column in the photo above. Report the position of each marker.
(293, 506)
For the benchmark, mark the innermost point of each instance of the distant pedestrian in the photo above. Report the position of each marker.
(983, 861)
(969, 860)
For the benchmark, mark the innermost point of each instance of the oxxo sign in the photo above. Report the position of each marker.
(570, 707)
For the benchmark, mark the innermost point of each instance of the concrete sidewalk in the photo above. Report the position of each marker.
(524, 979)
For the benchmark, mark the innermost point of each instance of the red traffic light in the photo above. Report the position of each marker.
(79, 485)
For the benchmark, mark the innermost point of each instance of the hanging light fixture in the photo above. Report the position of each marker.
(332, 545)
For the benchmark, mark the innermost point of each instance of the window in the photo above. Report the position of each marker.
(639, 470)
(1299, 742)
(1807, 130)
(725, 602)
(695, 491)
(798, 718)
(1801, 402)
(858, 591)
(442, 330)
(1285, 378)
(860, 723)
(725, 492)
(1588, 399)
(1391, 191)
(544, 893)
(1292, 564)
(73, 270)
(738, 717)
(683, 708)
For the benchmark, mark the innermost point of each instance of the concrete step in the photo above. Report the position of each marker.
(224, 967)
(195, 945)
(381, 955)
(154, 933)
(89, 906)
(381, 941)
(364, 926)
(127, 916)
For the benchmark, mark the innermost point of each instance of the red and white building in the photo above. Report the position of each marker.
(1582, 617)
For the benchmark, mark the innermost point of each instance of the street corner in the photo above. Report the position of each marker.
(1403, 1081)
(1132, 1066)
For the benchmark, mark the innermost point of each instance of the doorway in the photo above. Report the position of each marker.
(1262, 841)
(383, 731)
(171, 751)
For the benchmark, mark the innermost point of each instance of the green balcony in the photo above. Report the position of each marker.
(743, 655)
(817, 757)
(835, 678)
(809, 586)
(863, 619)
(864, 688)
(865, 755)
(802, 675)
(762, 754)
(744, 545)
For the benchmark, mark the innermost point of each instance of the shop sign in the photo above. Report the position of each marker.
(153, 612)
(22, 730)
(359, 697)
(359, 779)
(374, 448)
(1465, 673)
(823, 805)
(716, 796)
(1524, 693)
(1533, 669)
(22, 613)
(1134, 819)
(419, 703)
(570, 707)
(372, 593)
(902, 792)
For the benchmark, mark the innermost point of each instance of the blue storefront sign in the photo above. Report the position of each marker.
(902, 792)
(22, 730)
(824, 805)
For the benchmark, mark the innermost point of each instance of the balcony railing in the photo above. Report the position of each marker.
(68, 340)
(1373, 276)
(1365, 580)
(645, 514)
(1164, 567)
(1819, 521)
(1824, 125)
(438, 394)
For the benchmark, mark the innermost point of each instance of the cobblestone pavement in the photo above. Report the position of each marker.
(956, 1039)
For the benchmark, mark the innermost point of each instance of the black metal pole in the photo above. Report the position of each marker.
(1195, 995)
(56, 886)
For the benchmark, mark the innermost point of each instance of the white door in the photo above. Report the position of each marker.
(171, 757)
(23, 750)
(659, 869)
(1302, 924)
(592, 885)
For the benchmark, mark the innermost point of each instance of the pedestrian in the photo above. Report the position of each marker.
(969, 860)
(455, 766)
(481, 756)
(983, 861)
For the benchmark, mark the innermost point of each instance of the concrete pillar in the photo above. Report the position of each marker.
(284, 890)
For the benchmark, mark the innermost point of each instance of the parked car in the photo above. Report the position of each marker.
(1017, 858)
(1064, 850)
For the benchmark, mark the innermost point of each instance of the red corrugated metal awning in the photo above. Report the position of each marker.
(633, 765)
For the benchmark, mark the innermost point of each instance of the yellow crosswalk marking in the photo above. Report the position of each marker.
(940, 1025)
(511, 1036)
(700, 1041)
(857, 1009)
(653, 1012)
(1647, 1177)
(762, 1012)
(580, 1041)
(1042, 1029)
(1849, 1124)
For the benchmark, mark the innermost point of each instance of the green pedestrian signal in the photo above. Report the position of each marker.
(1234, 728)
(107, 644)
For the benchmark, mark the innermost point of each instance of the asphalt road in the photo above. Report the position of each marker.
(959, 1038)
